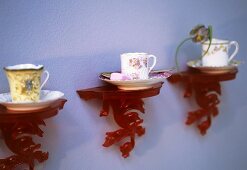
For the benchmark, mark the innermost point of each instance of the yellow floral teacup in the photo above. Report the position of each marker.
(25, 82)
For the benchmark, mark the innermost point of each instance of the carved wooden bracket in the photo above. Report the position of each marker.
(206, 88)
(17, 128)
(126, 106)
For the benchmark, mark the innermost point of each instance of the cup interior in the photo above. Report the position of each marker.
(24, 67)
(216, 42)
(133, 54)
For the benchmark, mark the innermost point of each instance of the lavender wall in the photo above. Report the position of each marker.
(78, 39)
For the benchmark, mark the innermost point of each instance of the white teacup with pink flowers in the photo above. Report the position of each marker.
(136, 65)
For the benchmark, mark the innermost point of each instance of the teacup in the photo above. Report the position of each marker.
(25, 82)
(136, 65)
(217, 54)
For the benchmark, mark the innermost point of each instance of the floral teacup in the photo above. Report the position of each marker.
(217, 54)
(136, 65)
(25, 82)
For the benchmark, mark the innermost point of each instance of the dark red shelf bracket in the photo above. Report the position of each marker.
(126, 107)
(17, 130)
(206, 89)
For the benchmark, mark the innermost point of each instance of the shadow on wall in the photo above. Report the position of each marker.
(69, 74)
(231, 95)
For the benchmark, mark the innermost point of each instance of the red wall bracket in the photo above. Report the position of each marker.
(206, 88)
(17, 128)
(126, 106)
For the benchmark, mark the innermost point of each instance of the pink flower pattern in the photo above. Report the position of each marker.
(135, 62)
(138, 63)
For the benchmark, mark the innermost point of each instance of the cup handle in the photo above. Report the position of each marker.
(235, 43)
(46, 79)
(154, 62)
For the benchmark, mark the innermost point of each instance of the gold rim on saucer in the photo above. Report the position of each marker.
(158, 76)
(196, 64)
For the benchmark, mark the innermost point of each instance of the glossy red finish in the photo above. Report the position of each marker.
(126, 106)
(17, 128)
(206, 88)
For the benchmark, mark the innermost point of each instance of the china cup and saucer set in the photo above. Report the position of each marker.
(136, 72)
(217, 59)
(26, 92)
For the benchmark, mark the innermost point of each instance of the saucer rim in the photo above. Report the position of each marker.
(132, 85)
(231, 65)
(134, 81)
(103, 76)
(30, 102)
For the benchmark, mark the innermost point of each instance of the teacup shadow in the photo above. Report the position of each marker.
(68, 74)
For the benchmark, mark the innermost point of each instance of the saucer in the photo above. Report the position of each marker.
(47, 97)
(154, 78)
(196, 64)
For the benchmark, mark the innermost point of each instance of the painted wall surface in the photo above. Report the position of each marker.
(78, 39)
